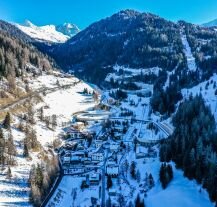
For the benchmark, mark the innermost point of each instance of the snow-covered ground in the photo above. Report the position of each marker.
(63, 103)
(187, 50)
(180, 191)
(207, 89)
(130, 72)
(64, 195)
(43, 33)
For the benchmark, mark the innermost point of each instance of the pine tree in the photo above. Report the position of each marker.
(137, 201)
(138, 176)
(25, 150)
(150, 181)
(133, 169)
(2, 147)
(170, 171)
(38, 176)
(108, 202)
(9, 174)
(7, 121)
(11, 149)
(166, 174)
(109, 182)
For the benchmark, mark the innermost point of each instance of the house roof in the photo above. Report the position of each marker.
(112, 169)
(94, 177)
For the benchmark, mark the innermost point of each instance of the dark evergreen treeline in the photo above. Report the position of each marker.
(193, 145)
(166, 174)
(164, 101)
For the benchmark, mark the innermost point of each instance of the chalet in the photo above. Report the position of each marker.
(87, 161)
(94, 179)
(74, 133)
(76, 160)
(80, 147)
(114, 147)
(78, 125)
(66, 160)
(98, 143)
(112, 192)
(98, 155)
(112, 170)
(74, 170)
(139, 152)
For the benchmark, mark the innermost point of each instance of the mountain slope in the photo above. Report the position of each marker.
(68, 29)
(14, 31)
(129, 38)
(212, 23)
(49, 33)
(17, 56)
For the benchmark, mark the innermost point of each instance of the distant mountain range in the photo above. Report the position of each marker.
(49, 33)
(212, 23)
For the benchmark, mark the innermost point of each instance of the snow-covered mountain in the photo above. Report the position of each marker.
(49, 33)
(68, 29)
(212, 23)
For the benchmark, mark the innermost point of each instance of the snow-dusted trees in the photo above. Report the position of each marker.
(2, 148)
(41, 178)
(31, 138)
(11, 150)
(14, 56)
(7, 121)
(9, 174)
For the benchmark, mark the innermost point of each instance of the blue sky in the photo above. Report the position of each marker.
(85, 12)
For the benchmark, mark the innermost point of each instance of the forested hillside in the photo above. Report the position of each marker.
(193, 145)
(129, 38)
(17, 57)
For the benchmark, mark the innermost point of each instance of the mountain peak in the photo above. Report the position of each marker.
(49, 33)
(68, 29)
(28, 23)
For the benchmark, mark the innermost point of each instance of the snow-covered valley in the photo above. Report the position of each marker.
(136, 129)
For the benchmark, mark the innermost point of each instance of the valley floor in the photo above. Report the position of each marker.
(66, 102)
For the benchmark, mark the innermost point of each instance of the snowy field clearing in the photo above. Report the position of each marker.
(187, 50)
(179, 193)
(130, 72)
(64, 194)
(134, 72)
(207, 89)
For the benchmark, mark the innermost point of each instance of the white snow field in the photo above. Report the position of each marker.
(181, 192)
(187, 50)
(207, 89)
(64, 195)
(43, 33)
